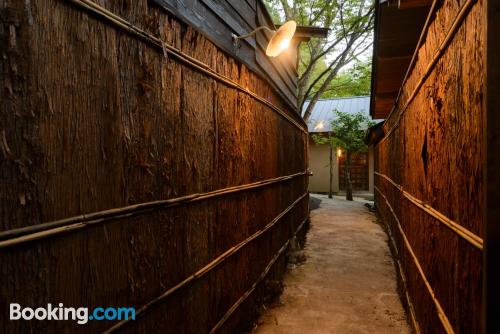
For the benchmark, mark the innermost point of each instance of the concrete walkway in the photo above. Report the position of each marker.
(347, 283)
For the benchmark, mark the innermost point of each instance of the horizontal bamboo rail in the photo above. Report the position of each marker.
(469, 236)
(44, 230)
(203, 271)
(414, 321)
(462, 14)
(165, 48)
(240, 301)
(442, 316)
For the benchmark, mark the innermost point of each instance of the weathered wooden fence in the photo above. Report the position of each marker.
(429, 172)
(140, 166)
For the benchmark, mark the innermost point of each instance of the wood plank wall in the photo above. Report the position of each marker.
(94, 118)
(429, 173)
(217, 20)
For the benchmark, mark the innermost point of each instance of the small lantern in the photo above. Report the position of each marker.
(278, 43)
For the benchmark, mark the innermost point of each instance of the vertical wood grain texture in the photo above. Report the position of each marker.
(436, 154)
(94, 119)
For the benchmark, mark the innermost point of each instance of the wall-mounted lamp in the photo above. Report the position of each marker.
(339, 152)
(278, 43)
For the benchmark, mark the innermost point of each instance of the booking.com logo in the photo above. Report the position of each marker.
(81, 314)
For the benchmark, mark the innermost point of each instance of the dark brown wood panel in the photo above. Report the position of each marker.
(96, 119)
(491, 289)
(397, 30)
(359, 171)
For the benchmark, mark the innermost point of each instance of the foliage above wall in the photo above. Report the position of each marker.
(321, 61)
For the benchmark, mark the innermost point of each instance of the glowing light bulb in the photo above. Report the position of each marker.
(284, 44)
(320, 125)
(281, 39)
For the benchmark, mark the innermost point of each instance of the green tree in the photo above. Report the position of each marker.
(355, 81)
(348, 133)
(321, 60)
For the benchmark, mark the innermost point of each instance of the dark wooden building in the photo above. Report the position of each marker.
(145, 161)
(436, 81)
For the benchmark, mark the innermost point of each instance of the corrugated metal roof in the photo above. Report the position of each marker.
(324, 110)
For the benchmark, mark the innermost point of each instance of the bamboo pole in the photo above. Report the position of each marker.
(442, 316)
(414, 321)
(469, 236)
(163, 47)
(39, 231)
(243, 297)
(217, 261)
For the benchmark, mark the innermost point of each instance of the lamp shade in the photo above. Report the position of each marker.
(281, 39)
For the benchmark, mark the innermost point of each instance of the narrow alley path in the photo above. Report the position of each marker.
(347, 283)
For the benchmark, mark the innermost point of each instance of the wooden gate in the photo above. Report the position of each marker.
(359, 171)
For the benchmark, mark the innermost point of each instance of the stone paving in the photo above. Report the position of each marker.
(347, 283)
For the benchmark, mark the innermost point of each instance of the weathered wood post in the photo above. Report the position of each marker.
(348, 162)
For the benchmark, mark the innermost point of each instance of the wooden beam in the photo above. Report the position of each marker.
(398, 27)
(406, 4)
(392, 19)
(311, 32)
(382, 106)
